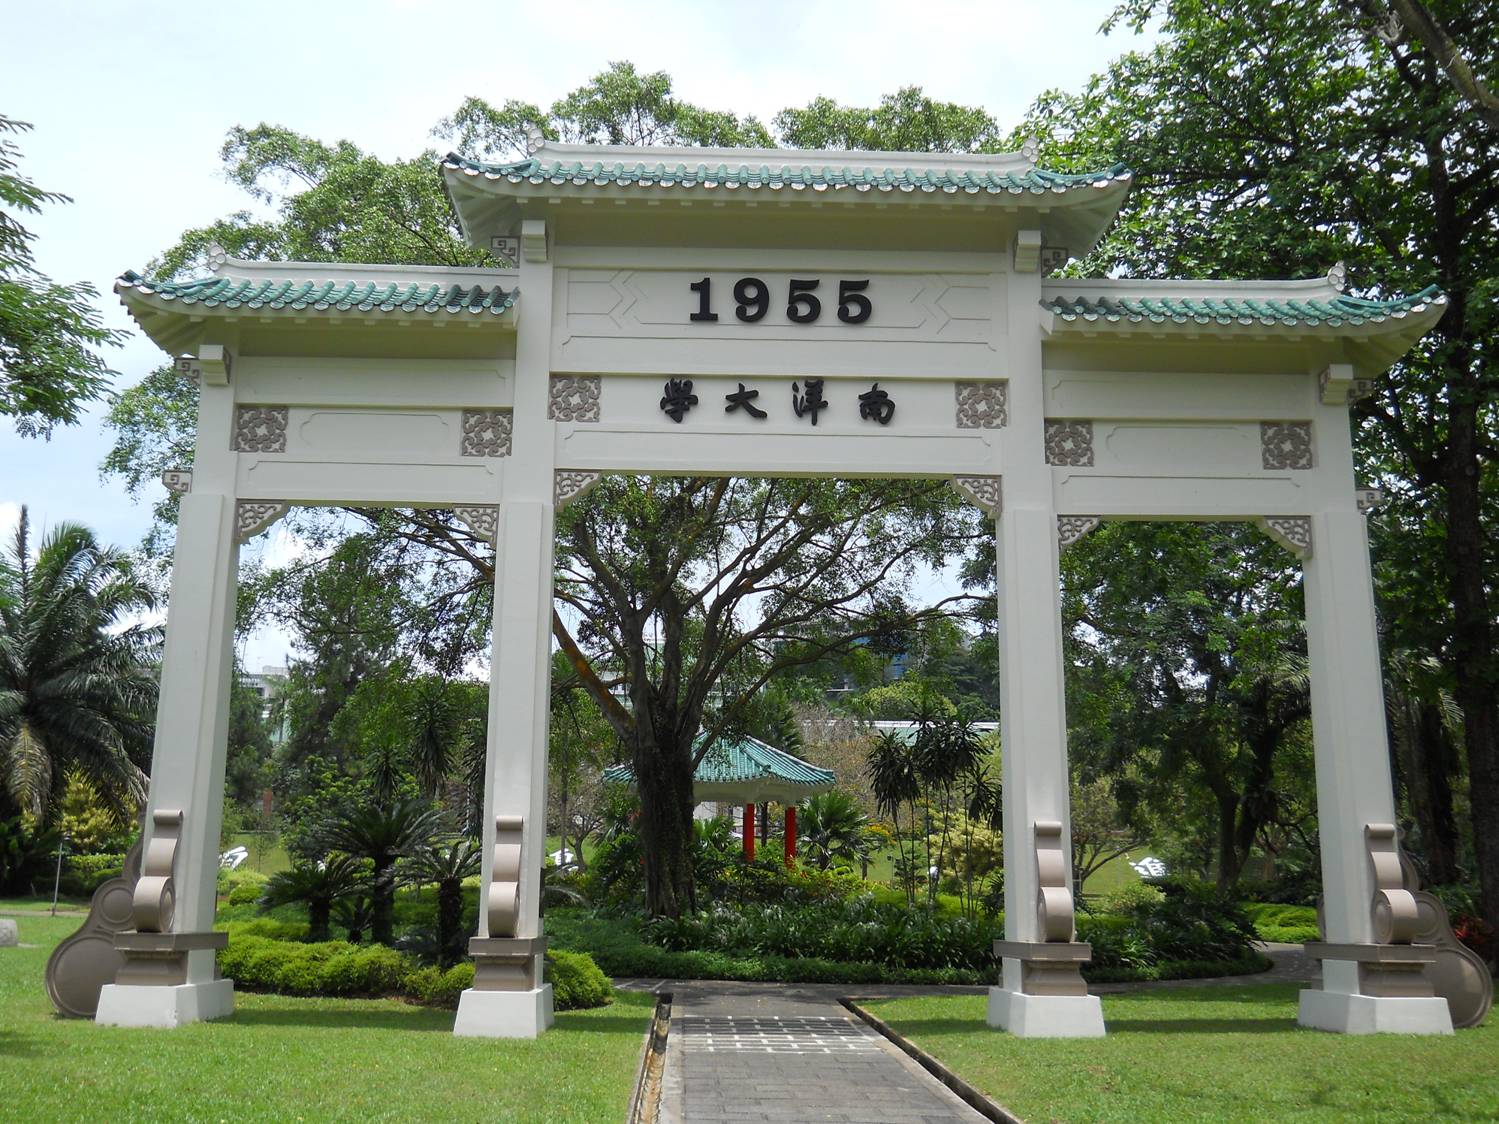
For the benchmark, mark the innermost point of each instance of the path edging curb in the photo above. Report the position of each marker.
(645, 1101)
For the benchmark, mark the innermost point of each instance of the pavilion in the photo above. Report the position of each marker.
(744, 770)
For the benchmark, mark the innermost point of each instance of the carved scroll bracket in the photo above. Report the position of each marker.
(1393, 911)
(572, 485)
(504, 878)
(1071, 528)
(179, 480)
(483, 519)
(253, 516)
(155, 897)
(1294, 532)
(1368, 499)
(1054, 917)
(986, 492)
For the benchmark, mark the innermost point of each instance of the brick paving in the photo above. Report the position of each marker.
(779, 1054)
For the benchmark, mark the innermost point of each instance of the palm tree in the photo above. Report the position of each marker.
(447, 866)
(382, 833)
(318, 886)
(76, 683)
(833, 826)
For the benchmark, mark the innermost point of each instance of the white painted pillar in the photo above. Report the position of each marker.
(1033, 719)
(1354, 786)
(520, 660)
(192, 725)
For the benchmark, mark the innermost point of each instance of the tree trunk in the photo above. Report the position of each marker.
(318, 913)
(663, 774)
(449, 922)
(1477, 686)
(383, 902)
(1228, 851)
(1429, 772)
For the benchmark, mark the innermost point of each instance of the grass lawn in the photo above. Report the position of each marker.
(279, 1058)
(1219, 1053)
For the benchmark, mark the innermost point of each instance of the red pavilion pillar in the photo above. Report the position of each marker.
(749, 833)
(790, 834)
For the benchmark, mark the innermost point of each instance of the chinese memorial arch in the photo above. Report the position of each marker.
(778, 313)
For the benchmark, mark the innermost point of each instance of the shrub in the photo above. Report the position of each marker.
(577, 982)
(246, 890)
(83, 874)
(1196, 922)
(1287, 924)
(267, 927)
(325, 968)
(1130, 896)
(437, 987)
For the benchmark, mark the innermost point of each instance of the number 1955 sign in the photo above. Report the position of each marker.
(804, 298)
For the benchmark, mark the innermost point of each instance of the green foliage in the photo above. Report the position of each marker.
(440, 987)
(247, 890)
(323, 968)
(83, 874)
(89, 823)
(1132, 896)
(77, 686)
(905, 121)
(315, 885)
(1290, 924)
(49, 367)
(577, 982)
(832, 827)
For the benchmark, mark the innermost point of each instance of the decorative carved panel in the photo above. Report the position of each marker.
(260, 429)
(1286, 445)
(1071, 528)
(1294, 532)
(1069, 443)
(986, 492)
(983, 405)
(486, 433)
(568, 486)
(482, 519)
(253, 516)
(179, 480)
(574, 398)
(1368, 499)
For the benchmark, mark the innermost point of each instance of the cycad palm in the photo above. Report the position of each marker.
(447, 867)
(317, 887)
(833, 826)
(76, 682)
(382, 833)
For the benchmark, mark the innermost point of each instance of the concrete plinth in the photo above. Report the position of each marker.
(164, 1006)
(1370, 1014)
(1045, 1016)
(504, 1014)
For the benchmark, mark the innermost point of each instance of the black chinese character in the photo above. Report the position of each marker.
(678, 398)
(742, 397)
(876, 405)
(810, 402)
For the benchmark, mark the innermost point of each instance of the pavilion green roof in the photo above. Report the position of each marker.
(749, 764)
(786, 172)
(231, 293)
(1331, 311)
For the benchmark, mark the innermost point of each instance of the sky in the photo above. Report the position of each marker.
(130, 103)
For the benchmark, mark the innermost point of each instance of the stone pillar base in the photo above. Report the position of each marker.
(1045, 1016)
(504, 1014)
(1373, 1014)
(164, 1005)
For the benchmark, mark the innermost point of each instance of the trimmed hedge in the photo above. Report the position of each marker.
(258, 961)
(1289, 924)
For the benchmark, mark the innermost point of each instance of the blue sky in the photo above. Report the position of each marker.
(131, 102)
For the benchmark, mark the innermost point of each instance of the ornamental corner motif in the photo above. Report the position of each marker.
(982, 405)
(1286, 445)
(1069, 443)
(179, 480)
(1294, 532)
(569, 485)
(253, 516)
(486, 433)
(483, 519)
(984, 492)
(260, 429)
(574, 398)
(1071, 528)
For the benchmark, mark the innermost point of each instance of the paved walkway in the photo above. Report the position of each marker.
(790, 1054)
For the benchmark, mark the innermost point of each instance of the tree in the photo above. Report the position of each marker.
(1100, 834)
(48, 332)
(1279, 138)
(833, 828)
(318, 886)
(382, 834)
(447, 866)
(1192, 633)
(77, 683)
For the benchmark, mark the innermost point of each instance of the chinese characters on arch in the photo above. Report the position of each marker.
(807, 401)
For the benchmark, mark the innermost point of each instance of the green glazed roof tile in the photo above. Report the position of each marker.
(742, 760)
(776, 177)
(321, 296)
(1333, 312)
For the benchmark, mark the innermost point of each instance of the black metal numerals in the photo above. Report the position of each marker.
(803, 306)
